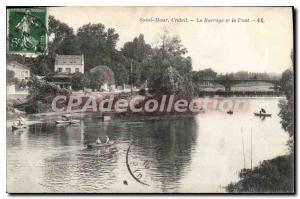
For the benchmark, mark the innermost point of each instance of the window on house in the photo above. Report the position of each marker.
(76, 70)
(68, 70)
(59, 69)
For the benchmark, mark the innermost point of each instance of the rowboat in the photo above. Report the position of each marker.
(262, 114)
(95, 145)
(230, 112)
(74, 121)
(19, 124)
(16, 127)
(67, 120)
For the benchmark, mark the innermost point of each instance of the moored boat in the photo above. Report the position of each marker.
(95, 145)
(66, 120)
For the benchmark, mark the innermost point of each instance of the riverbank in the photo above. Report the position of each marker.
(271, 176)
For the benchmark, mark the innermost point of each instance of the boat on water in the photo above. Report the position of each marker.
(230, 112)
(95, 145)
(67, 122)
(19, 124)
(66, 119)
(16, 127)
(262, 114)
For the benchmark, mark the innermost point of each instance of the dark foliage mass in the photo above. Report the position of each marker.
(272, 176)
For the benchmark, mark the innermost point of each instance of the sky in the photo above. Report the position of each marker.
(214, 43)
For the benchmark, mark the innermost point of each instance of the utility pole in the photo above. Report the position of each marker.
(131, 77)
(243, 148)
(251, 148)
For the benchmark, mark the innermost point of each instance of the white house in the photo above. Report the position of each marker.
(69, 63)
(21, 71)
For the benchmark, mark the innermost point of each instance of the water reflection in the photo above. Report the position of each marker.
(167, 148)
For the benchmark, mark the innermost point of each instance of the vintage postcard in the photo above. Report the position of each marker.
(150, 100)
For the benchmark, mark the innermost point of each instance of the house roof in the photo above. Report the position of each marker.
(15, 64)
(69, 60)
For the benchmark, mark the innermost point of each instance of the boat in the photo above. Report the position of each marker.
(230, 112)
(106, 118)
(19, 124)
(62, 122)
(16, 127)
(74, 121)
(66, 120)
(262, 114)
(95, 145)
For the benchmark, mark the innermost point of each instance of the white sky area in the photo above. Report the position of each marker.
(224, 47)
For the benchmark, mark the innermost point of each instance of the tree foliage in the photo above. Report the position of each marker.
(171, 81)
(10, 76)
(97, 44)
(78, 81)
(287, 106)
(272, 176)
(100, 75)
(205, 74)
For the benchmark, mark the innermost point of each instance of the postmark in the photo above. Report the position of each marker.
(27, 30)
(137, 169)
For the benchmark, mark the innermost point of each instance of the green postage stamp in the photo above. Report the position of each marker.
(27, 30)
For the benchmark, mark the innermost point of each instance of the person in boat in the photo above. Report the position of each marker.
(98, 141)
(262, 111)
(20, 123)
(107, 140)
(65, 118)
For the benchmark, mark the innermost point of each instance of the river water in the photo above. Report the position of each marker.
(203, 153)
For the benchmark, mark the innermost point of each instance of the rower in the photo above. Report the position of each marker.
(107, 140)
(262, 111)
(98, 141)
(20, 122)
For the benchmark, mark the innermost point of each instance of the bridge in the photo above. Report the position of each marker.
(228, 83)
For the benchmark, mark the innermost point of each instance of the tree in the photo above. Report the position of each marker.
(136, 52)
(78, 81)
(63, 40)
(170, 82)
(10, 76)
(22, 84)
(39, 92)
(121, 73)
(170, 53)
(100, 75)
(137, 49)
(97, 45)
(271, 176)
(206, 74)
(287, 83)
(287, 106)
